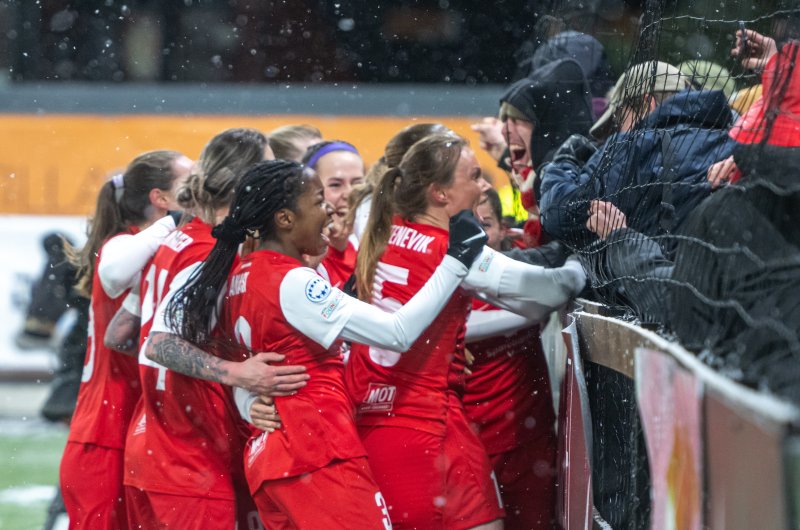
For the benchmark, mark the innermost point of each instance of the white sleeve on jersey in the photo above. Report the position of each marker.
(132, 304)
(125, 255)
(160, 323)
(324, 313)
(484, 324)
(529, 290)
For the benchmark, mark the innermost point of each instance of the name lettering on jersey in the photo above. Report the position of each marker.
(318, 290)
(141, 425)
(331, 306)
(379, 398)
(177, 241)
(256, 447)
(405, 237)
(238, 283)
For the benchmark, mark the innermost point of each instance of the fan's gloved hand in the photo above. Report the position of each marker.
(467, 237)
(576, 149)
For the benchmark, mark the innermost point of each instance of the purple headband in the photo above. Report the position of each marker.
(330, 148)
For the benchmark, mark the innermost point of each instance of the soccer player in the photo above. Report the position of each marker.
(429, 464)
(340, 168)
(184, 445)
(509, 402)
(313, 472)
(130, 219)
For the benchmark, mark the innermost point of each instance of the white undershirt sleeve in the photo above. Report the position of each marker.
(529, 290)
(125, 255)
(244, 400)
(324, 313)
(132, 304)
(484, 324)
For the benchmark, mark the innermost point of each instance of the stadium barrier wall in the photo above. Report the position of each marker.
(721, 456)
(60, 141)
(55, 164)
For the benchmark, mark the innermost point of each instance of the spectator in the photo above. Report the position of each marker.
(734, 285)
(533, 112)
(705, 75)
(653, 168)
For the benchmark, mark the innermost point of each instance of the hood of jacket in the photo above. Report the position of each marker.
(555, 98)
(585, 50)
(707, 109)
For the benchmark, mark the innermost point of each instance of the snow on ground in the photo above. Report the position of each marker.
(21, 260)
(27, 494)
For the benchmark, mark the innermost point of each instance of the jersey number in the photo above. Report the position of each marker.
(88, 367)
(153, 292)
(392, 274)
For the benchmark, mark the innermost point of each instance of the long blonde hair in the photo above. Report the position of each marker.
(403, 191)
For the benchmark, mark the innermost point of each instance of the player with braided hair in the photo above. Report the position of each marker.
(313, 472)
(184, 444)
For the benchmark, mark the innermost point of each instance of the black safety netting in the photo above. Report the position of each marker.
(682, 207)
(683, 202)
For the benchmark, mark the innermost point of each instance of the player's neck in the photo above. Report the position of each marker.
(435, 217)
(281, 247)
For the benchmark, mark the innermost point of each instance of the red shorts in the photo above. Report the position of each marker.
(433, 482)
(147, 509)
(342, 494)
(91, 484)
(527, 479)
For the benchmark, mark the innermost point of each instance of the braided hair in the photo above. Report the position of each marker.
(264, 189)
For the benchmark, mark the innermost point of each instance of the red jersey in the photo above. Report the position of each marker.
(186, 437)
(413, 389)
(271, 297)
(508, 393)
(109, 382)
(337, 266)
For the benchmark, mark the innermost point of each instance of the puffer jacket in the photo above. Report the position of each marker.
(655, 173)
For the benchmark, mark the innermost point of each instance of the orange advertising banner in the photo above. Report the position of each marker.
(55, 164)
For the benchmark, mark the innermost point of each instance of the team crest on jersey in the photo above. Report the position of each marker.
(256, 447)
(318, 290)
(379, 398)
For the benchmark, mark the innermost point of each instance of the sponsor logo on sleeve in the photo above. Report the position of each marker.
(486, 261)
(318, 290)
(331, 306)
(379, 398)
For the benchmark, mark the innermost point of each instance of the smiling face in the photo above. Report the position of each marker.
(491, 225)
(464, 192)
(311, 215)
(518, 135)
(339, 172)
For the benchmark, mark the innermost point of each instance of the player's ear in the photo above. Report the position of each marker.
(437, 195)
(284, 219)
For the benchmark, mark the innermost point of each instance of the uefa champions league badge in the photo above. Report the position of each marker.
(317, 290)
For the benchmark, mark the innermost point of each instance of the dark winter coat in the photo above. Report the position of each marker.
(655, 173)
(555, 98)
(734, 289)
